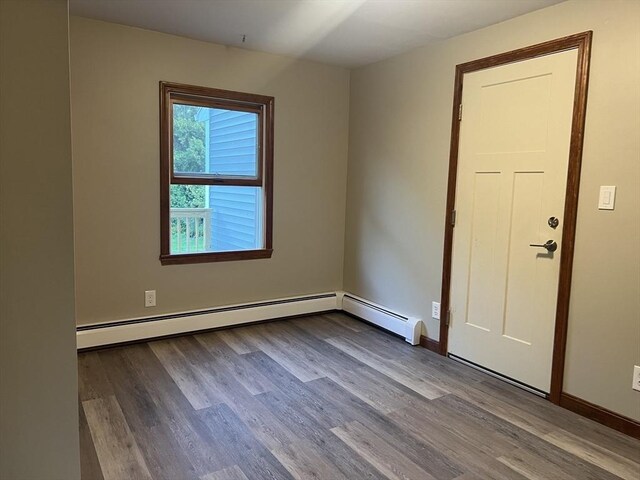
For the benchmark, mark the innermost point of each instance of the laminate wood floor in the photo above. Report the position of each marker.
(323, 397)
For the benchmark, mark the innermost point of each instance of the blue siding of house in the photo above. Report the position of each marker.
(232, 142)
(232, 151)
(234, 221)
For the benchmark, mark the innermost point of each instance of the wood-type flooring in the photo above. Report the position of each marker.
(323, 397)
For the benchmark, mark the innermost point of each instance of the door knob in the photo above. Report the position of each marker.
(550, 245)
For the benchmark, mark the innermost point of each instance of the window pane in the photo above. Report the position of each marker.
(214, 141)
(207, 218)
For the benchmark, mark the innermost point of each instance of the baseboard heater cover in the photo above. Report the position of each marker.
(408, 327)
(109, 333)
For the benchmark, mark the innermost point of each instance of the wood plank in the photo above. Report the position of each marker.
(131, 393)
(375, 388)
(378, 390)
(263, 423)
(328, 359)
(392, 369)
(237, 442)
(427, 457)
(330, 447)
(188, 431)
(231, 473)
(472, 476)
(440, 372)
(220, 383)
(502, 432)
(92, 378)
(89, 464)
(250, 379)
(532, 466)
(238, 340)
(115, 445)
(595, 454)
(604, 416)
(162, 453)
(552, 460)
(427, 363)
(560, 418)
(482, 426)
(297, 393)
(452, 442)
(387, 346)
(325, 326)
(215, 379)
(353, 323)
(516, 416)
(305, 462)
(388, 460)
(183, 374)
(267, 339)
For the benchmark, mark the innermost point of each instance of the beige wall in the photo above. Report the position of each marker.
(400, 115)
(38, 376)
(114, 76)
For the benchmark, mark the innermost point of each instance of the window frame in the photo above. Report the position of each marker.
(176, 93)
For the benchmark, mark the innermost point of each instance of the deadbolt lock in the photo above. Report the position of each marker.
(553, 222)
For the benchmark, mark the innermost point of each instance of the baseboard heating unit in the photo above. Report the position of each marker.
(408, 327)
(130, 330)
(109, 333)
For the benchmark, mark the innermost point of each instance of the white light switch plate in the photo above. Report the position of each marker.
(435, 310)
(636, 378)
(607, 198)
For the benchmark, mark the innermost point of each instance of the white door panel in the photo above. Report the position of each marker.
(512, 171)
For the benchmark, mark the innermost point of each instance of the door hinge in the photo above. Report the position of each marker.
(453, 218)
(459, 112)
(447, 318)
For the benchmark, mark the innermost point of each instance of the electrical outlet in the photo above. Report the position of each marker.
(435, 310)
(636, 378)
(150, 298)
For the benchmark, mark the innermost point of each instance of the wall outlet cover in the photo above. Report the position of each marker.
(150, 298)
(636, 378)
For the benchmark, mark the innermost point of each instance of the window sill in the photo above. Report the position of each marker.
(215, 257)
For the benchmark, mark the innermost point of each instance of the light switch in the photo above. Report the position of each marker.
(607, 198)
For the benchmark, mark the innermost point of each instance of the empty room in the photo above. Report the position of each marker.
(319, 239)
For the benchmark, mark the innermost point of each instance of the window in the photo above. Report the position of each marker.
(216, 174)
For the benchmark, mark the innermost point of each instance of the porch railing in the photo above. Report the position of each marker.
(190, 229)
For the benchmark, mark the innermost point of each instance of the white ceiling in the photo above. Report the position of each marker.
(342, 32)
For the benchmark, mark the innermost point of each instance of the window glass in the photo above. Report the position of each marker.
(214, 218)
(214, 141)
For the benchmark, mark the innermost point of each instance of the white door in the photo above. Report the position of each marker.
(512, 171)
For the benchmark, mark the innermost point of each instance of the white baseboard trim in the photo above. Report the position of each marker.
(109, 333)
(408, 327)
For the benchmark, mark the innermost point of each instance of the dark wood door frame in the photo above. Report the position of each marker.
(581, 42)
